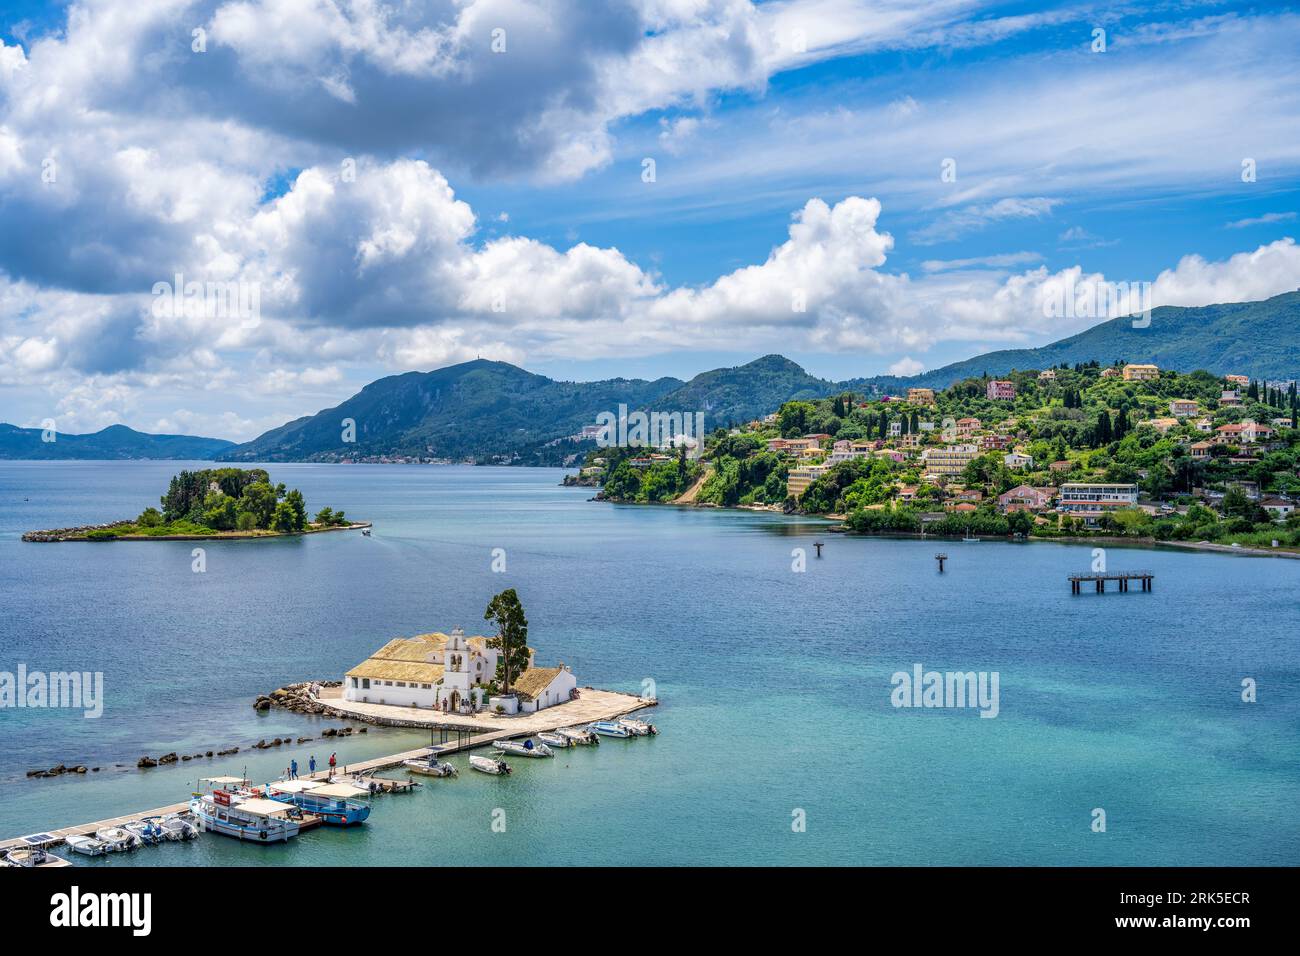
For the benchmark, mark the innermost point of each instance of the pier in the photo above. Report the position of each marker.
(456, 733)
(1122, 578)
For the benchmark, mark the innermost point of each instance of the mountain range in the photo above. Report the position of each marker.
(115, 441)
(493, 411)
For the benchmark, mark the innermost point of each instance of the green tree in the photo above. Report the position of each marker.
(150, 518)
(259, 500)
(512, 636)
(283, 518)
(295, 501)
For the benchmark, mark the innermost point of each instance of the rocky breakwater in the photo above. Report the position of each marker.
(299, 698)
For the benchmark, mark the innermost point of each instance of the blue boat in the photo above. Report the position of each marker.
(334, 803)
(609, 728)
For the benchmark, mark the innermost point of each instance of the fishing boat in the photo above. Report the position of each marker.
(25, 856)
(335, 803)
(117, 839)
(489, 765)
(430, 766)
(555, 740)
(639, 728)
(84, 844)
(254, 819)
(525, 748)
(176, 827)
(147, 831)
(578, 736)
(609, 728)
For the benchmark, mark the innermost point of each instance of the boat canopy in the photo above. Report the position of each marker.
(222, 780)
(263, 808)
(295, 786)
(340, 790)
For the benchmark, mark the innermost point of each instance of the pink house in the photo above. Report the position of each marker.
(1001, 390)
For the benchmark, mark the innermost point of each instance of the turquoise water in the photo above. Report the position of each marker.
(775, 686)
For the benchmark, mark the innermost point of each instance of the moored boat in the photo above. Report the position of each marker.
(554, 740)
(335, 803)
(524, 748)
(430, 766)
(25, 856)
(489, 765)
(176, 827)
(147, 831)
(609, 728)
(86, 845)
(578, 736)
(117, 839)
(255, 819)
(639, 728)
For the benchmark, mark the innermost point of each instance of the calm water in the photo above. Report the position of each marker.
(775, 685)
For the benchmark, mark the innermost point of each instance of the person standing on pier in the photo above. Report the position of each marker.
(311, 764)
(332, 763)
(293, 769)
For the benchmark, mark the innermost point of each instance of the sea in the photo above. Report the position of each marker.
(1135, 728)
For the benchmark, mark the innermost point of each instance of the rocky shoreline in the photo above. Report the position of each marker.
(82, 533)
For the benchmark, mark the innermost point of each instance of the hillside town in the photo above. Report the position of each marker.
(1121, 449)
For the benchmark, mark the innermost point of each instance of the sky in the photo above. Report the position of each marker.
(220, 215)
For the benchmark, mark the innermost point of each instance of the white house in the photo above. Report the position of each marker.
(1015, 460)
(439, 671)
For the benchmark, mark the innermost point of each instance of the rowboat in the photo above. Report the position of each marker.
(639, 728)
(489, 765)
(117, 839)
(578, 736)
(429, 766)
(523, 749)
(555, 740)
(84, 844)
(609, 728)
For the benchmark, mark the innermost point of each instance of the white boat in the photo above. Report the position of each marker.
(117, 839)
(639, 728)
(147, 831)
(430, 766)
(489, 765)
(554, 740)
(525, 748)
(256, 820)
(25, 856)
(176, 827)
(609, 728)
(578, 736)
(84, 844)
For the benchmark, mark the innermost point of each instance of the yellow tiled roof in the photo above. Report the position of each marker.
(534, 680)
(377, 669)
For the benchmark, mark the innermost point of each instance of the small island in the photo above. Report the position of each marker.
(214, 503)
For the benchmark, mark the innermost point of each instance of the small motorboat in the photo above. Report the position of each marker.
(366, 532)
(523, 749)
(609, 728)
(639, 728)
(25, 856)
(117, 839)
(87, 845)
(577, 736)
(147, 830)
(175, 827)
(489, 765)
(430, 766)
(555, 740)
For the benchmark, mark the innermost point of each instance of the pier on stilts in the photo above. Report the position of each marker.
(1122, 578)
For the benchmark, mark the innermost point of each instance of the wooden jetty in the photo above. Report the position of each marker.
(1123, 578)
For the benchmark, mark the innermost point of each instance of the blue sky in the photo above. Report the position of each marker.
(495, 203)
